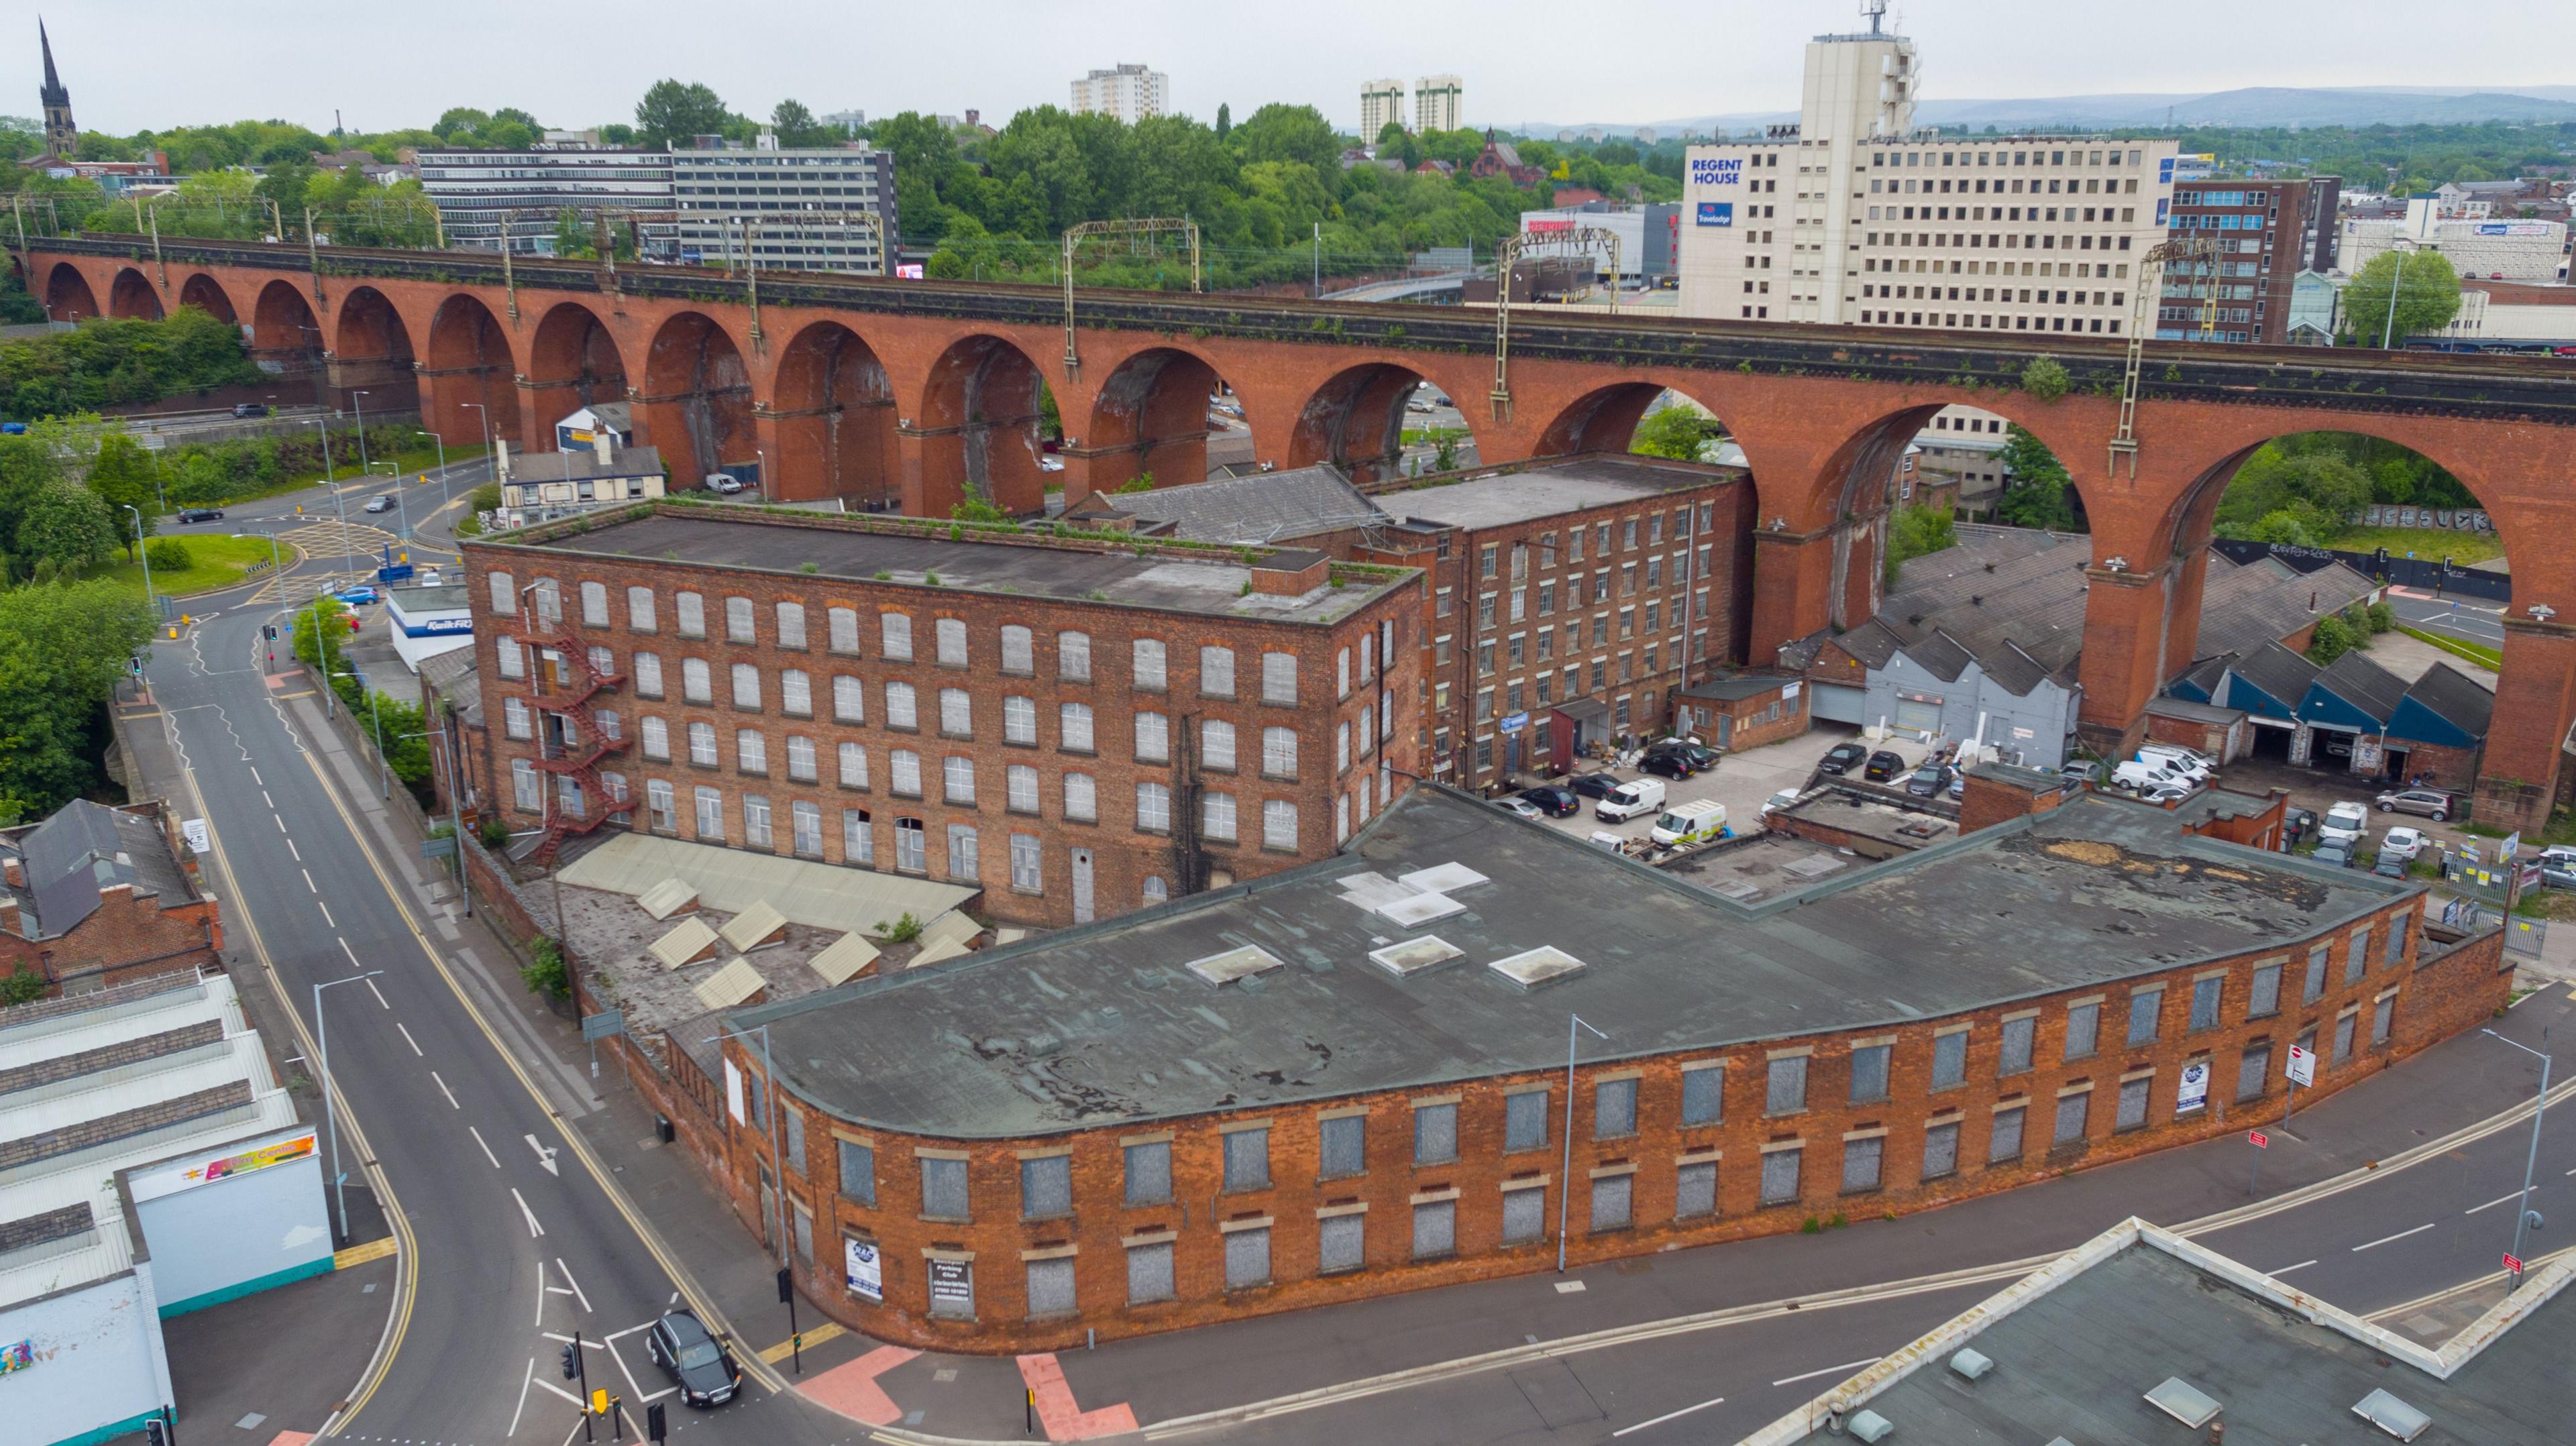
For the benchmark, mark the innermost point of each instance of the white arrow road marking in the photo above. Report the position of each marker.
(575, 1284)
(545, 1156)
(534, 1229)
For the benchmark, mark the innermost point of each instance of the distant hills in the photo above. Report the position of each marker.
(2251, 107)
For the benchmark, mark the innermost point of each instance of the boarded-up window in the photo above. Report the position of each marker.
(1051, 1287)
(2145, 1005)
(1614, 1108)
(2083, 1021)
(1046, 1187)
(1703, 1096)
(1342, 1243)
(1941, 1150)
(2133, 1104)
(2005, 1142)
(1610, 1199)
(2070, 1119)
(1524, 1214)
(1949, 1059)
(1788, 1086)
(1869, 1073)
(2014, 1057)
(1435, 1228)
(1149, 1173)
(943, 1189)
(1149, 1273)
(2266, 996)
(1695, 1190)
(1780, 1176)
(1343, 1147)
(2204, 1003)
(1860, 1163)
(859, 1172)
(1247, 1258)
(2254, 1070)
(1435, 1134)
(1247, 1160)
(1525, 1121)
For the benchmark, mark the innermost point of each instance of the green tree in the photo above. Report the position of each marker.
(2045, 378)
(2422, 286)
(2333, 638)
(1224, 119)
(122, 474)
(1679, 432)
(285, 187)
(2037, 494)
(1917, 532)
(673, 111)
(67, 525)
(797, 129)
(62, 649)
(1279, 132)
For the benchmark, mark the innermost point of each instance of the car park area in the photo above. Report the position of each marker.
(1741, 781)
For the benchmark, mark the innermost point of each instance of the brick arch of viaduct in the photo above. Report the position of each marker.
(923, 412)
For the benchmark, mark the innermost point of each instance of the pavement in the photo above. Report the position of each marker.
(528, 1200)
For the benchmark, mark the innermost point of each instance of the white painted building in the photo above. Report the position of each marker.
(1381, 105)
(477, 193)
(797, 202)
(2476, 245)
(1851, 217)
(1126, 92)
(1439, 104)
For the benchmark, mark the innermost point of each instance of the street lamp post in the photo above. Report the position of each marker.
(769, 1127)
(2388, 328)
(348, 558)
(2523, 1216)
(358, 404)
(330, 1095)
(1565, 1176)
(145, 556)
(764, 474)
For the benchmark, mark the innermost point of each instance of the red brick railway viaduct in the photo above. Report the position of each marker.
(922, 394)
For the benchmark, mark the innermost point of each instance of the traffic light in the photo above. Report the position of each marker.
(786, 1286)
(656, 1426)
(268, 631)
(571, 1364)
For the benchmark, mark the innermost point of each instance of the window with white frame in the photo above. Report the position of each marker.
(658, 798)
(1216, 816)
(858, 837)
(524, 787)
(1153, 808)
(1153, 738)
(807, 819)
(515, 718)
(900, 710)
(963, 859)
(950, 640)
(1074, 722)
(895, 635)
(849, 699)
(746, 686)
(1279, 678)
(956, 713)
(1073, 657)
(796, 692)
(1216, 744)
(648, 675)
(710, 813)
(1019, 651)
(1020, 786)
(1148, 654)
(697, 681)
(1081, 798)
(1025, 873)
(1279, 824)
(655, 735)
(1216, 672)
(854, 765)
(957, 776)
(1279, 752)
(750, 750)
(639, 609)
(911, 846)
(800, 758)
(702, 744)
(906, 766)
(1019, 720)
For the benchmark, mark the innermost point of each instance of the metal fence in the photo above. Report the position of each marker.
(2431, 574)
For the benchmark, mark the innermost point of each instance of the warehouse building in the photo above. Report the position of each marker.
(1348, 1079)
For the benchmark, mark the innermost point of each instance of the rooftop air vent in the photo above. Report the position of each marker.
(2392, 1415)
(1234, 964)
(1415, 956)
(1972, 1364)
(1871, 1426)
(1535, 967)
(2184, 1402)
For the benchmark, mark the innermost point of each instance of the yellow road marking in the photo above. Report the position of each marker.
(361, 1254)
(827, 1331)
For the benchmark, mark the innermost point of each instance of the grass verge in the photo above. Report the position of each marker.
(2432, 544)
(2485, 657)
(215, 563)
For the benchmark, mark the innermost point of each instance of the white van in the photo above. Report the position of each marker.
(2344, 823)
(1628, 800)
(2143, 776)
(2196, 766)
(1699, 821)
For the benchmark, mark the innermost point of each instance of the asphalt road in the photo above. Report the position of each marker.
(2474, 620)
(510, 1242)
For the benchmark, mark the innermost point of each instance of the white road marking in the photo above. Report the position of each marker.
(567, 1395)
(2491, 1204)
(264, 798)
(443, 1089)
(281, 823)
(524, 1382)
(290, 848)
(326, 914)
(487, 1149)
(1829, 1371)
(255, 778)
(2286, 1269)
(587, 1343)
(534, 1229)
(1667, 1416)
(559, 1290)
(380, 994)
(2400, 1235)
(575, 1284)
(308, 882)
(352, 953)
(546, 1158)
(407, 1039)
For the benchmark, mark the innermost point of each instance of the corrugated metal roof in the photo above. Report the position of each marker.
(843, 959)
(753, 927)
(819, 896)
(729, 986)
(2454, 697)
(2276, 670)
(688, 941)
(2364, 684)
(1263, 508)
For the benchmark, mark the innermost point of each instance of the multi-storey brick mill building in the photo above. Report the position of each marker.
(1078, 726)
(1351, 1078)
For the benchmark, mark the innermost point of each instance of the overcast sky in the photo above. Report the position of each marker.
(159, 63)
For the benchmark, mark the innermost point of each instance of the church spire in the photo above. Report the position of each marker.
(61, 135)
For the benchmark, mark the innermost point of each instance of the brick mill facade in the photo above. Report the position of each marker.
(1078, 727)
(1236, 1105)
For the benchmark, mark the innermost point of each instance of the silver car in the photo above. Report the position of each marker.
(2431, 803)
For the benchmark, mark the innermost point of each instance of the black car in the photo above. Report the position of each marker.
(2337, 854)
(1702, 757)
(2389, 866)
(249, 409)
(1883, 766)
(201, 514)
(1667, 765)
(695, 1361)
(1554, 802)
(1592, 785)
(2298, 823)
(1928, 780)
(1842, 759)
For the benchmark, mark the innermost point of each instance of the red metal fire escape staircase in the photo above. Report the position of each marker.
(581, 757)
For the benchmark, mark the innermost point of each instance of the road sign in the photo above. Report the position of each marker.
(606, 1024)
(441, 847)
(2302, 1067)
(2512, 1263)
(599, 1401)
(2261, 1140)
(194, 830)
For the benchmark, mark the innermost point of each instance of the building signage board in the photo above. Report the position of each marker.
(865, 1269)
(1717, 171)
(952, 1282)
(1717, 213)
(2193, 1093)
(187, 1174)
(1515, 723)
(2302, 1066)
(194, 831)
(733, 1091)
